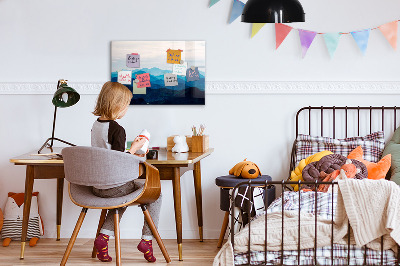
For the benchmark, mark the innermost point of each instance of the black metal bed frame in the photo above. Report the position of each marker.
(283, 184)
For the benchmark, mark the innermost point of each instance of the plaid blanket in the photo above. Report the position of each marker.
(323, 205)
(340, 254)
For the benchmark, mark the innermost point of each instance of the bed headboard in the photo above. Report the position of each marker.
(344, 121)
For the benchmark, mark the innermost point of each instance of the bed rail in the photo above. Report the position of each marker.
(350, 118)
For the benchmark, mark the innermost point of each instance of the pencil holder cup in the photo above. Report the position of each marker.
(200, 143)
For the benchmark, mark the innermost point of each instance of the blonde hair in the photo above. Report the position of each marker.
(112, 99)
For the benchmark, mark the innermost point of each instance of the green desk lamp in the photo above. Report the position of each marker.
(65, 96)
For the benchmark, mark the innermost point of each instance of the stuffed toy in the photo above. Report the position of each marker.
(375, 170)
(296, 174)
(13, 215)
(180, 144)
(245, 169)
(348, 170)
(328, 164)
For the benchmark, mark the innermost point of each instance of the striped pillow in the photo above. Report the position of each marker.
(372, 145)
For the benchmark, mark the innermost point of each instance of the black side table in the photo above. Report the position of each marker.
(226, 183)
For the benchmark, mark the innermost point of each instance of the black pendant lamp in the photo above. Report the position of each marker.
(273, 11)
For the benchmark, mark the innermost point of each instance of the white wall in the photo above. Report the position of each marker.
(43, 41)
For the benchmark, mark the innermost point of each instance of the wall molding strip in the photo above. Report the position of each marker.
(231, 87)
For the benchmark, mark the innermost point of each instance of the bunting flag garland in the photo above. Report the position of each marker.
(332, 41)
(361, 37)
(306, 39)
(237, 9)
(213, 2)
(281, 31)
(389, 30)
(256, 27)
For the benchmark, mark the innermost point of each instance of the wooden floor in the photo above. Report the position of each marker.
(50, 252)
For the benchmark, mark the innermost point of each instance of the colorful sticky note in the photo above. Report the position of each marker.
(125, 77)
(192, 74)
(174, 56)
(179, 69)
(133, 60)
(136, 90)
(170, 80)
(144, 80)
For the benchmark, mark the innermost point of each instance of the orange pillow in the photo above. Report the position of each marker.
(375, 170)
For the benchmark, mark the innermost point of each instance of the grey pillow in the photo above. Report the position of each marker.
(393, 148)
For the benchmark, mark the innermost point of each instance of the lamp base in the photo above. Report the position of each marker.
(50, 146)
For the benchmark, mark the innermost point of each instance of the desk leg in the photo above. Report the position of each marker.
(60, 190)
(176, 182)
(199, 204)
(27, 206)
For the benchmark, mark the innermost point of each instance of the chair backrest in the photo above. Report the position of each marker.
(91, 166)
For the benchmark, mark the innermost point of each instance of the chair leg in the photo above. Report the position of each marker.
(73, 237)
(223, 229)
(101, 222)
(154, 230)
(117, 239)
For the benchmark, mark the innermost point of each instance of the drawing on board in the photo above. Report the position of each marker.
(161, 72)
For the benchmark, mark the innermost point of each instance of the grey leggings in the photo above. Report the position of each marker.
(154, 208)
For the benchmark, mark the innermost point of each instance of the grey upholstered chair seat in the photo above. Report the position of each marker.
(83, 196)
(85, 167)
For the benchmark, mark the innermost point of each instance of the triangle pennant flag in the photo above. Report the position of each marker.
(255, 28)
(361, 37)
(237, 9)
(281, 31)
(332, 41)
(389, 30)
(306, 39)
(213, 2)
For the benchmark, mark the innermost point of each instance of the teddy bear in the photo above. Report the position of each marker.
(180, 144)
(245, 169)
(13, 215)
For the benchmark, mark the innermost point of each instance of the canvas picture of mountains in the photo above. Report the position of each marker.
(160, 72)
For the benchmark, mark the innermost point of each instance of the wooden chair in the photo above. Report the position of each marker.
(85, 167)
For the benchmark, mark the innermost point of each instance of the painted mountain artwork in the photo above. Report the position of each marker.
(160, 72)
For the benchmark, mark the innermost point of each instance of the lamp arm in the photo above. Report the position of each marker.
(54, 118)
(54, 126)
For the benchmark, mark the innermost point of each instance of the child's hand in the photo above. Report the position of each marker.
(137, 144)
(143, 155)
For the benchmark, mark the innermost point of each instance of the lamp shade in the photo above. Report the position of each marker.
(273, 11)
(65, 96)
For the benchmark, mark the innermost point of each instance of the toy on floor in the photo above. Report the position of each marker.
(13, 215)
(1, 219)
(245, 169)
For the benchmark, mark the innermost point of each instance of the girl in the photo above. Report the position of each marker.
(112, 104)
